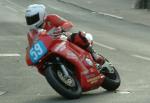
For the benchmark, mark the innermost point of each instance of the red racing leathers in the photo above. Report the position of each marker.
(51, 22)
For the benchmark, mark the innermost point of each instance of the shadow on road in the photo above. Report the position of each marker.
(84, 98)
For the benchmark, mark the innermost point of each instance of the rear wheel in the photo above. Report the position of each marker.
(112, 79)
(68, 87)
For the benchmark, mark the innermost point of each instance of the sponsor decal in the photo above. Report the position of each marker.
(60, 47)
(94, 80)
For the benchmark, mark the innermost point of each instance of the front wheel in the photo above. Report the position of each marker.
(112, 79)
(67, 87)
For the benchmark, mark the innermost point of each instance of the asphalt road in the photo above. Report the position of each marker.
(124, 43)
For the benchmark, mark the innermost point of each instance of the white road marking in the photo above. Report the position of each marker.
(123, 92)
(111, 15)
(2, 92)
(141, 57)
(10, 55)
(12, 9)
(105, 46)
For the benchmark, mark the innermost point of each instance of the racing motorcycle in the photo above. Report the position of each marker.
(69, 69)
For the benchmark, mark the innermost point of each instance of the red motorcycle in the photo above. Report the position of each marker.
(69, 69)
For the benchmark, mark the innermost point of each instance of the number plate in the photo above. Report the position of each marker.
(37, 51)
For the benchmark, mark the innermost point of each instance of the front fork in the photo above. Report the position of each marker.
(63, 68)
(64, 75)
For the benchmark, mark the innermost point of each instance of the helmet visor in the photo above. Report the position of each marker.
(32, 19)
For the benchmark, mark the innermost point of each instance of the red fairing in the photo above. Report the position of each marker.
(47, 40)
(28, 61)
(85, 68)
(31, 36)
(86, 73)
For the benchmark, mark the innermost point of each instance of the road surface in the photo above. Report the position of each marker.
(124, 43)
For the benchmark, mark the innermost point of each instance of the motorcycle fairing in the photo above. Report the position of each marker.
(37, 51)
(88, 76)
(44, 41)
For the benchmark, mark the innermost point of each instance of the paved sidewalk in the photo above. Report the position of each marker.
(119, 8)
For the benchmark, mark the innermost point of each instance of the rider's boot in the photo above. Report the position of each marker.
(97, 58)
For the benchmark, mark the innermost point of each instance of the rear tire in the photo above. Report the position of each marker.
(60, 87)
(112, 80)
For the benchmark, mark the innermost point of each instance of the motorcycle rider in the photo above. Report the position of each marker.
(40, 23)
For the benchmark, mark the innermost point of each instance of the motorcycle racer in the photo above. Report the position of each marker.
(40, 23)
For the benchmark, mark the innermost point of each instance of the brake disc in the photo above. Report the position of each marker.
(68, 80)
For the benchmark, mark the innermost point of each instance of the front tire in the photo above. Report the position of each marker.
(56, 83)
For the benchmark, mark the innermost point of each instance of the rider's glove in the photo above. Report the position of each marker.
(42, 31)
(58, 30)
